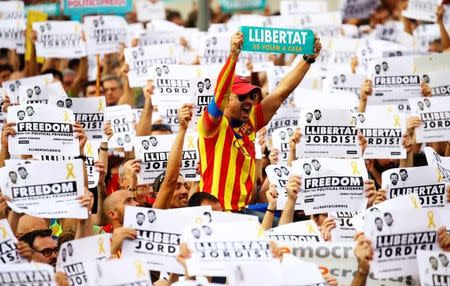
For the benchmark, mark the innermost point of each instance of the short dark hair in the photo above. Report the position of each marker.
(198, 198)
(171, 14)
(161, 127)
(6, 67)
(30, 237)
(56, 73)
(87, 83)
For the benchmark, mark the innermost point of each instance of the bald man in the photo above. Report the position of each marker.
(114, 207)
(28, 223)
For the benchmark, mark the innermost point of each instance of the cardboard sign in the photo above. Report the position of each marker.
(104, 34)
(59, 39)
(331, 185)
(424, 181)
(12, 34)
(35, 185)
(214, 48)
(285, 117)
(40, 93)
(42, 129)
(90, 112)
(277, 40)
(122, 123)
(344, 230)
(280, 141)
(424, 10)
(397, 236)
(383, 127)
(8, 248)
(79, 8)
(141, 59)
(153, 151)
(12, 86)
(435, 115)
(328, 133)
(434, 267)
(278, 175)
(158, 235)
(336, 81)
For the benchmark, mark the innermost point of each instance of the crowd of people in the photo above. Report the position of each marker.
(233, 174)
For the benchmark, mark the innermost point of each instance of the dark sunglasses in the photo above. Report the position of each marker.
(47, 252)
(251, 95)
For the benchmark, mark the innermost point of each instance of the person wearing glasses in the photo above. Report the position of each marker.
(228, 126)
(44, 247)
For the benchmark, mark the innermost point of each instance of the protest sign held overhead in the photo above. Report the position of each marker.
(276, 40)
(434, 268)
(77, 8)
(8, 245)
(424, 181)
(27, 274)
(383, 127)
(239, 5)
(441, 163)
(43, 129)
(330, 185)
(435, 115)
(278, 175)
(12, 34)
(40, 93)
(158, 235)
(328, 133)
(90, 112)
(344, 230)
(91, 149)
(424, 10)
(294, 233)
(59, 39)
(104, 34)
(153, 151)
(121, 119)
(12, 86)
(33, 185)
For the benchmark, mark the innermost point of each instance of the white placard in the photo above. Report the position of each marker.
(284, 117)
(12, 10)
(214, 48)
(153, 151)
(104, 34)
(151, 38)
(40, 93)
(331, 185)
(397, 235)
(338, 260)
(359, 9)
(36, 185)
(328, 133)
(344, 230)
(77, 258)
(424, 181)
(280, 141)
(122, 125)
(42, 129)
(12, 34)
(439, 83)
(218, 245)
(90, 112)
(12, 86)
(350, 82)
(383, 127)
(59, 39)
(424, 10)
(158, 235)
(296, 232)
(8, 248)
(296, 7)
(435, 115)
(124, 271)
(434, 268)
(278, 175)
(91, 152)
(439, 162)
(150, 10)
(141, 60)
(27, 274)
(298, 272)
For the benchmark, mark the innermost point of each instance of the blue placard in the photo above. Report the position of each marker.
(83, 7)
(242, 5)
(51, 9)
(277, 40)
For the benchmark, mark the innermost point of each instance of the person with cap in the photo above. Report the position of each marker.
(229, 124)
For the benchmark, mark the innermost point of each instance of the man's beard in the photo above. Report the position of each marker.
(380, 168)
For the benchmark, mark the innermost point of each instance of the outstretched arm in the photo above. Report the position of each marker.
(287, 85)
(213, 114)
(173, 163)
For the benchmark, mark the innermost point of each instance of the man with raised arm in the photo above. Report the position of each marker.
(228, 126)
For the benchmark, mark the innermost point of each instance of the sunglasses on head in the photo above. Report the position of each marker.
(251, 95)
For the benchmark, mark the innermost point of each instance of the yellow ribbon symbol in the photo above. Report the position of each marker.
(190, 141)
(69, 168)
(396, 121)
(199, 72)
(414, 65)
(389, 109)
(89, 151)
(198, 220)
(139, 269)
(66, 116)
(414, 202)
(260, 232)
(355, 170)
(430, 215)
(171, 51)
(310, 228)
(100, 105)
(101, 246)
(315, 85)
(3, 230)
(439, 176)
